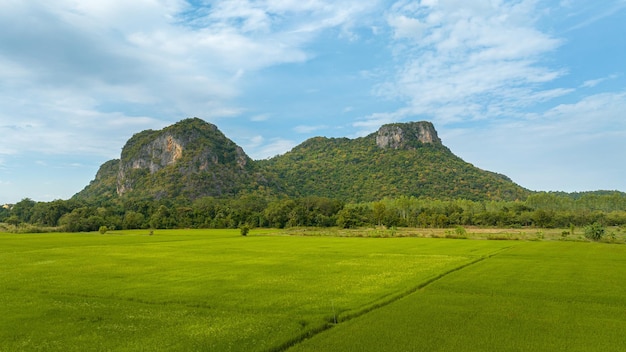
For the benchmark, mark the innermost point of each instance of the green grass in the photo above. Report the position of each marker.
(204, 290)
(214, 290)
(537, 296)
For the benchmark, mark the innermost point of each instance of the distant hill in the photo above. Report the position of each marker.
(192, 159)
(398, 160)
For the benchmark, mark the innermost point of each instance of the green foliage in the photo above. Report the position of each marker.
(353, 217)
(358, 170)
(244, 229)
(49, 213)
(262, 209)
(23, 209)
(595, 231)
(104, 187)
(4, 213)
(103, 229)
(13, 220)
(81, 219)
(133, 220)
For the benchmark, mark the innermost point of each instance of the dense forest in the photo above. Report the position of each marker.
(258, 209)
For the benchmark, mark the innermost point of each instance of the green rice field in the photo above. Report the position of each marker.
(214, 290)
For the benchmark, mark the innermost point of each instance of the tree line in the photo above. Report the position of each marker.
(542, 210)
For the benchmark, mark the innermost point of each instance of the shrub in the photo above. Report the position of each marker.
(244, 230)
(458, 233)
(612, 237)
(594, 231)
(103, 230)
(498, 237)
(13, 220)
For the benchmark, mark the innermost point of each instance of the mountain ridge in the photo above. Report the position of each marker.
(373, 169)
(194, 159)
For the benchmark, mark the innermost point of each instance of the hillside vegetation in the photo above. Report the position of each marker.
(193, 159)
(359, 170)
(190, 159)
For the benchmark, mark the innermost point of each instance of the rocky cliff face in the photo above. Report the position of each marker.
(407, 135)
(192, 150)
(164, 150)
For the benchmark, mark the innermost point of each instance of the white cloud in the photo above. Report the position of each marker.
(260, 117)
(309, 129)
(258, 147)
(275, 146)
(469, 60)
(590, 12)
(406, 27)
(86, 75)
(594, 82)
(564, 148)
(256, 141)
(374, 121)
(593, 115)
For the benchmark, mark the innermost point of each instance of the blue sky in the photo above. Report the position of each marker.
(532, 89)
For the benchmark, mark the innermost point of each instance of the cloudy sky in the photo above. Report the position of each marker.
(532, 89)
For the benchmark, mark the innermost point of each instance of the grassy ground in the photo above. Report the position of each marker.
(614, 234)
(210, 290)
(539, 296)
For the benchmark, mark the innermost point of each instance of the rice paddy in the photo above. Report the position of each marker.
(214, 290)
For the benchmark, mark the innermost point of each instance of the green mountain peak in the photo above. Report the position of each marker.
(193, 159)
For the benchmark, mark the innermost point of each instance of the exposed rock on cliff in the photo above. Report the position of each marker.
(407, 135)
(191, 158)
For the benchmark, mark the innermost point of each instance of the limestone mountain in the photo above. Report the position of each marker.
(192, 159)
(404, 159)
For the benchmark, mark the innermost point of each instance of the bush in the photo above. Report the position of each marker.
(594, 231)
(103, 230)
(244, 230)
(13, 220)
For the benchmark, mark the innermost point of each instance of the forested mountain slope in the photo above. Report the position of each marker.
(189, 159)
(193, 159)
(397, 160)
